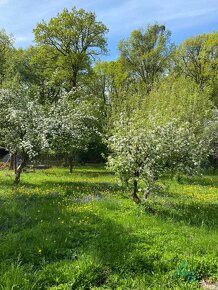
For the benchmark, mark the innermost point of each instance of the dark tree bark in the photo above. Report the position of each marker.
(135, 196)
(15, 162)
(11, 166)
(71, 164)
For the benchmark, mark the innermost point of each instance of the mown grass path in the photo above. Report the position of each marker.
(82, 231)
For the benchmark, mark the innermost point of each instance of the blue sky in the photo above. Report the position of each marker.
(184, 18)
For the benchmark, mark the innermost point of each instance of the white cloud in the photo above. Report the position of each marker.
(22, 38)
(182, 17)
(124, 16)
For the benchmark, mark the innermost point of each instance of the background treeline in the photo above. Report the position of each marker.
(75, 99)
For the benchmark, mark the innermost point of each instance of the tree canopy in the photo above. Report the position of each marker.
(74, 38)
(59, 96)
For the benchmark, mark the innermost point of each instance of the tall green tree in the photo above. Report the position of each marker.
(38, 69)
(114, 85)
(147, 54)
(6, 49)
(197, 59)
(74, 39)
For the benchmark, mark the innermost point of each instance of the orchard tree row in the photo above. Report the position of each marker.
(155, 107)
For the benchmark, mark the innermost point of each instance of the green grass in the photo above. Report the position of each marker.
(82, 231)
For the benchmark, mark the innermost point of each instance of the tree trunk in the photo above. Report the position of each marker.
(15, 162)
(147, 194)
(74, 79)
(135, 196)
(71, 165)
(11, 166)
(150, 187)
(19, 171)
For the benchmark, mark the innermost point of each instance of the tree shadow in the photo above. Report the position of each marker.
(66, 187)
(192, 214)
(210, 180)
(43, 230)
(86, 187)
(93, 173)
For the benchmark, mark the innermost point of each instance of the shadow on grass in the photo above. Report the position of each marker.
(66, 187)
(193, 214)
(210, 180)
(83, 187)
(88, 173)
(42, 230)
(46, 229)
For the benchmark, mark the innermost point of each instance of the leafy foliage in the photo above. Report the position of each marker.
(6, 51)
(73, 38)
(147, 54)
(196, 58)
(156, 107)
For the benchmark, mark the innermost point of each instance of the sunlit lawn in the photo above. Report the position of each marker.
(81, 231)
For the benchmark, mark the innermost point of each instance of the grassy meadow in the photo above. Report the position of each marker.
(82, 231)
